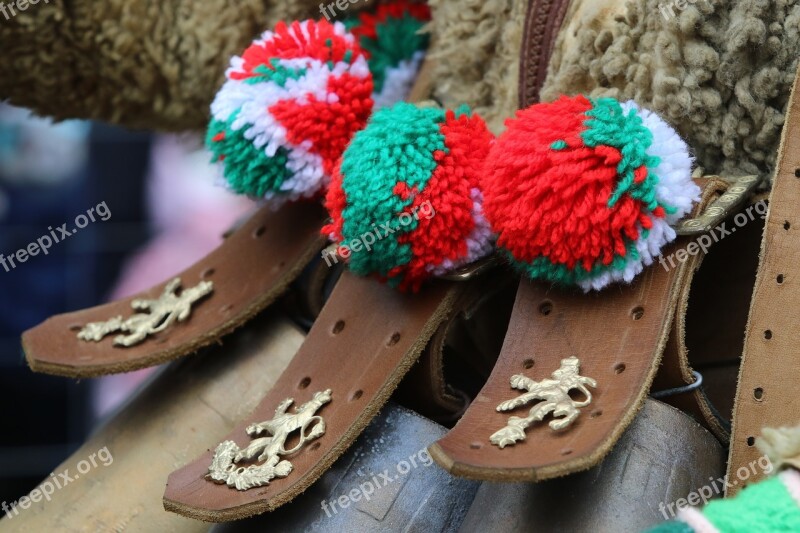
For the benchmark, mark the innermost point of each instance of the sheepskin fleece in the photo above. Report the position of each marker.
(156, 64)
(477, 47)
(141, 63)
(719, 71)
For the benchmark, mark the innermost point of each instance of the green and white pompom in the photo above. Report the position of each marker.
(289, 107)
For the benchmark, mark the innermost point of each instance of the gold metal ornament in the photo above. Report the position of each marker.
(157, 315)
(554, 393)
(739, 190)
(268, 450)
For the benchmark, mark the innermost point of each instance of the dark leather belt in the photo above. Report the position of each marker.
(542, 24)
(619, 336)
(365, 340)
(276, 245)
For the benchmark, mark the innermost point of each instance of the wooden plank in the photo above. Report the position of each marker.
(188, 407)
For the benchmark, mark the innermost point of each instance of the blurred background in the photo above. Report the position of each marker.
(166, 212)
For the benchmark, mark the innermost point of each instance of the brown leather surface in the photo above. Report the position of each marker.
(250, 269)
(770, 370)
(364, 341)
(307, 294)
(462, 352)
(675, 370)
(618, 334)
(425, 389)
(708, 332)
(542, 23)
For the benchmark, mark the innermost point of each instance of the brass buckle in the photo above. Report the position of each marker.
(737, 193)
(472, 270)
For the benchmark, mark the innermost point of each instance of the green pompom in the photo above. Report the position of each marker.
(397, 146)
(247, 169)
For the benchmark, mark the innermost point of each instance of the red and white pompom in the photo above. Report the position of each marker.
(392, 36)
(585, 191)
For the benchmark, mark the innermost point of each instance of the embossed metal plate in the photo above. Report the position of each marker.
(727, 204)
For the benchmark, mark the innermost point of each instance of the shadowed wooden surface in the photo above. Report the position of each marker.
(188, 407)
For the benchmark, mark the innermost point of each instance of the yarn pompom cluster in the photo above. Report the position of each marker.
(584, 192)
(405, 202)
(391, 37)
(289, 107)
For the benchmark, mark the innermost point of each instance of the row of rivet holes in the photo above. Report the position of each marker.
(338, 327)
(758, 392)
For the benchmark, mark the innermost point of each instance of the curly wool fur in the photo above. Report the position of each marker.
(476, 44)
(144, 64)
(176, 52)
(719, 72)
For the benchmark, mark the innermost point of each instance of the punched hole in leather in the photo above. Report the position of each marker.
(249, 270)
(770, 358)
(662, 457)
(365, 340)
(618, 335)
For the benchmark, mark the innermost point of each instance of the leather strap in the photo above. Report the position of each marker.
(364, 341)
(307, 295)
(424, 499)
(274, 245)
(252, 268)
(166, 423)
(708, 330)
(644, 474)
(767, 392)
(542, 24)
(618, 334)
(462, 352)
